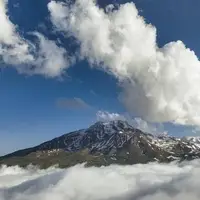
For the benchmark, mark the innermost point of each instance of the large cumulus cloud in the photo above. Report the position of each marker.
(158, 84)
(139, 182)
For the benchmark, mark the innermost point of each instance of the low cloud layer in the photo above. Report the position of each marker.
(139, 182)
(158, 84)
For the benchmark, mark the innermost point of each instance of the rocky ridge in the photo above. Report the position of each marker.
(107, 143)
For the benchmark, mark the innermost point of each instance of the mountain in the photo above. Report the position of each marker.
(106, 143)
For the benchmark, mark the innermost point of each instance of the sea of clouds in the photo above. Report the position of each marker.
(151, 181)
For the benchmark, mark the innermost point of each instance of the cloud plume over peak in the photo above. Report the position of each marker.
(147, 127)
(158, 84)
(106, 116)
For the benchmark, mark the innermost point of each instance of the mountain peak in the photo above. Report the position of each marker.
(114, 124)
(106, 143)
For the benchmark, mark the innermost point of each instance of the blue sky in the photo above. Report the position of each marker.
(29, 113)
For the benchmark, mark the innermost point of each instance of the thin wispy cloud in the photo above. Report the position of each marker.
(72, 103)
(93, 92)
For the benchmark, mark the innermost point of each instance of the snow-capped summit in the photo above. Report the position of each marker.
(102, 136)
(110, 127)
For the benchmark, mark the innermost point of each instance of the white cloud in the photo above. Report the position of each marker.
(14, 176)
(158, 84)
(107, 116)
(139, 182)
(13, 49)
(147, 127)
(49, 59)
